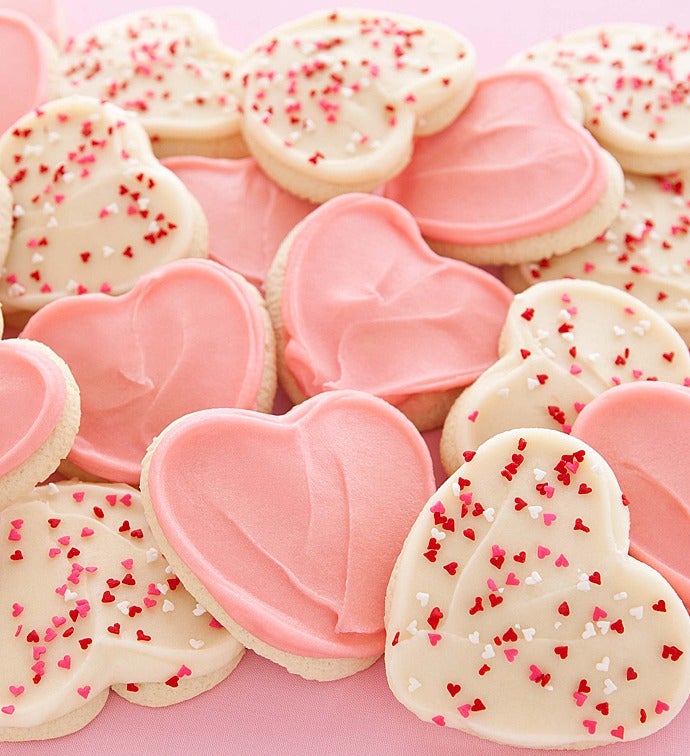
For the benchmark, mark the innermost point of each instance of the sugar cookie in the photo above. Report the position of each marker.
(516, 614)
(515, 177)
(168, 66)
(359, 301)
(564, 342)
(331, 102)
(306, 522)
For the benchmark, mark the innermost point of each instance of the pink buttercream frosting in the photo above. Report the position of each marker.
(248, 214)
(25, 82)
(292, 525)
(638, 429)
(368, 306)
(514, 164)
(32, 395)
(190, 335)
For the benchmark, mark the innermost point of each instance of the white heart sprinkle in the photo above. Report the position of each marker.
(151, 555)
(438, 534)
(532, 383)
(620, 596)
(196, 643)
(69, 595)
(593, 356)
(37, 258)
(107, 251)
(609, 686)
(583, 585)
(168, 605)
(603, 665)
(489, 514)
(455, 487)
(52, 222)
(618, 331)
(414, 684)
(412, 628)
(533, 579)
(539, 475)
(488, 652)
(198, 610)
(52, 489)
(163, 587)
(557, 625)
(534, 511)
(604, 626)
(18, 211)
(637, 612)
(169, 569)
(589, 631)
(123, 606)
(423, 598)
(528, 633)
(474, 637)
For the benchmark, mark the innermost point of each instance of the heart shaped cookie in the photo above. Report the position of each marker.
(639, 430)
(515, 612)
(632, 80)
(644, 251)
(331, 102)
(93, 209)
(39, 400)
(248, 215)
(154, 354)
(89, 602)
(564, 342)
(359, 301)
(515, 177)
(30, 80)
(307, 521)
(168, 66)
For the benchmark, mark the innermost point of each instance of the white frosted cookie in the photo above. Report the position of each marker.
(331, 102)
(563, 343)
(632, 80)
(88, 602)
(5, 217)
(645, 251)
(515, 177)
(93, 208)
(169, 67)
(516, 614)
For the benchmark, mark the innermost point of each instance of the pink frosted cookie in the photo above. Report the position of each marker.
(516, 614)
(248, 214)
(306, 522)
(515, 177)
(633, 83)
(564, 342)
(88, 602)
(29, 78)
(169, 67)
(645, 251)
(46, 13)
(39, 404)
(640, 429)
(331, 102)
(359, 301)
(189, 336)
(93, 209)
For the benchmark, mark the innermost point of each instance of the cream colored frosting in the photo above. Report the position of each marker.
(338, 95)
(564, 342)
(26, 81)
(637, 428)
(645, 251)
(32, 398)
(93, 208)
(514, 164)
(306, 520)
(367, 305)
(632, 80)
(88, 602)
(516, 614)
(167, 65)
(190, 335)
(248, 214)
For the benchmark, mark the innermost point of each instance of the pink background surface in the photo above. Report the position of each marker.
(260, 708)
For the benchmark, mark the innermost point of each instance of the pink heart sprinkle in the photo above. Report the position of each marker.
(57, 621)
(149, 602)
(65, 662)
(50, 635)
(590, 724)
(561, 561)
(111, 499)
(16, 690)
(543, 552)
(473, 416)
(14, 535)
(491, 584)
(52, 553)
(17, 609)
(575, 369)
(464, 710)
(497, 551)
(510, 653)
(127, 563)
(64, 540)
(438, 508)
(549, 517)
(661, 707)
(86, 532)
(153, 590)
(214, 623)
(61, 590)
(7, 709)
(512, 579)
(572, 466)
(184, 671)
(17, 523)
(579, 406)
(78, 496)
(598, 613)
(126, 500)
(84, 692)
(39, 668)
(439, 720)
(38, 652)
(637, 374)
(434, 638)
(535, 673)
(580, 698)
(466, 498)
